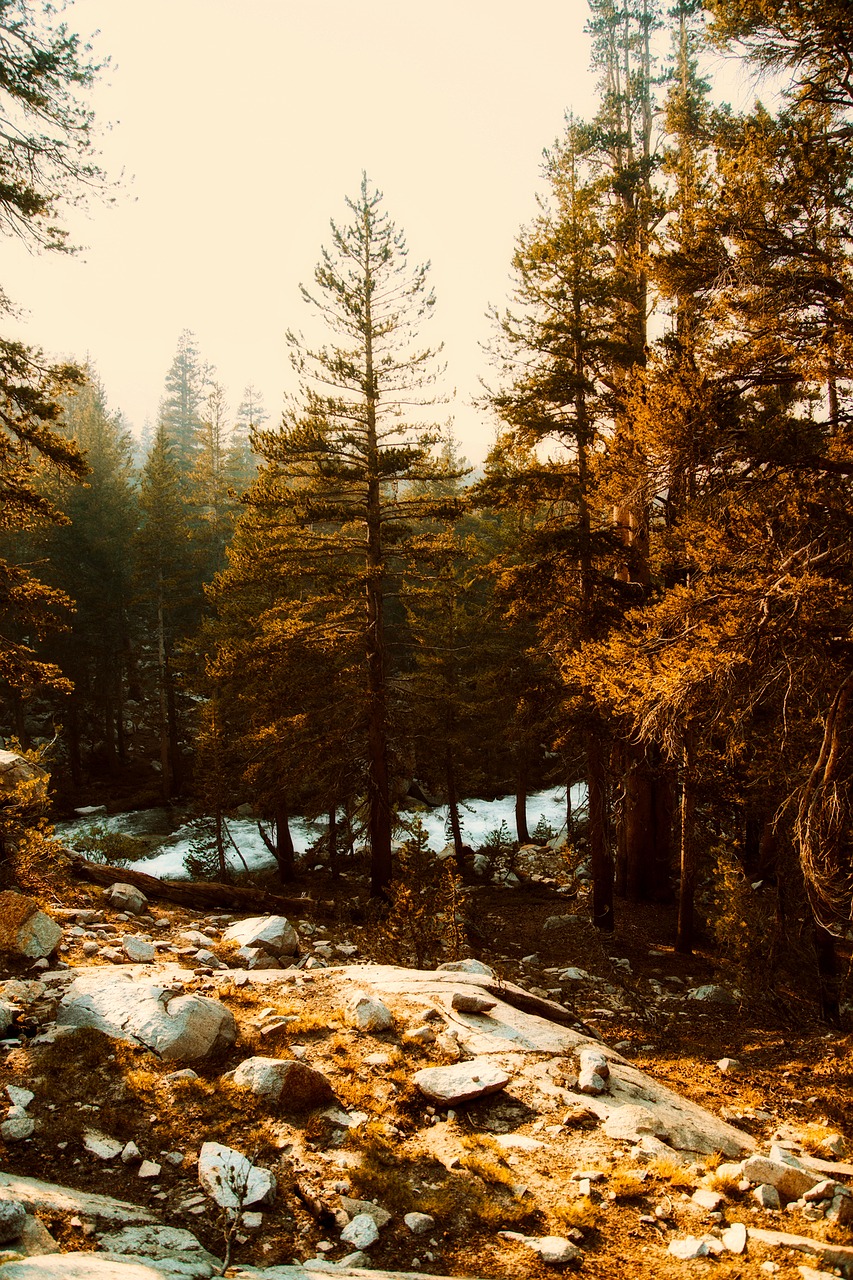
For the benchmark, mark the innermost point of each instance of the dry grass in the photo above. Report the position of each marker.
(627, 1185)
(668, 1169)
(486, 1159)
(725, 1184)
(582, 1213)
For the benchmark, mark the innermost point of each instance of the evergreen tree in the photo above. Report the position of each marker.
(341, 465)
(186, 389)
(90, 557)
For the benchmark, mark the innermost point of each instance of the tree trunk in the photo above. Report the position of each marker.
(687, 889)
(828, 976)
(166, 779)
(599, 844)
(284, 851)
(521, 809)
(220, 844)
(332, 842)
(453, 806)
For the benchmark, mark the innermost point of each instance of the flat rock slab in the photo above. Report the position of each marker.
(311, 1270)
(82, 1266)
(461, 1082)
(85, 1204)
(635, 1106)
(830, 1255)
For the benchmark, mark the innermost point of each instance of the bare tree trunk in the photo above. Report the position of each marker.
(284, 851)
(687, 889)
(599, 844)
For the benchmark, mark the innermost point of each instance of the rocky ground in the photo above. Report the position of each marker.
(262, 1095)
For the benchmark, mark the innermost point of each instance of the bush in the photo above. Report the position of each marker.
(423, 924)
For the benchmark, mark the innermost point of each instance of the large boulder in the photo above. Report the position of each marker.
(25, 930)
(464, 1081)
(174, 1026)
(273, 934)
(295, 1085)
(127, 898)
(14, 770)
(231, 1179)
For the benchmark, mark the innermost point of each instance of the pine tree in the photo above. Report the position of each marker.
(186, 389)
(91, 558)
(164, 590)
(348, 449)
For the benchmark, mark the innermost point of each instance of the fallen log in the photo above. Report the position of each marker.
(189, 893)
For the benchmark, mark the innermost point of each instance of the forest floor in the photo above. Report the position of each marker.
(795, 1082)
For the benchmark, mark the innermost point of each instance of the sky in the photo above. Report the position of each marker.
(237, 128)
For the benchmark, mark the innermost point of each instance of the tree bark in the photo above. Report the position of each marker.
(687, 889)
(187, 892)
(284, 851)
(599, 844)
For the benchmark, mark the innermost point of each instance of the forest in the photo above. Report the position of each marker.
(647, 588)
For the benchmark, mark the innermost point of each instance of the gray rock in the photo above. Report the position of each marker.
(767, 1196)
(555, 1250)
(126, 897)
(13, 1215)
(273, 934)
(420, 1224)
(137, 949)
(8, 1014)
(594, 1071)
(712, 994)
(256, 958)
(25, 930)
(369, 1013)
(693, 1247)
(294, 1084)
(17, 1126)
(354, 1207)
(361, 1233)
(97, 1144)
(470, 1002)
(563, 922)
(461, 1082)
(19, 1097)
(466, 966)
(707, 1200)
(734, 1238)
(173, 1026)
(232, 1180)
(788, 1176)
(157, 1241)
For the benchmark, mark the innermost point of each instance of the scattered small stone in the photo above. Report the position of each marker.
(734, 1238)
(130, 1153)
(730, 1066)
(695, 1247)
(419, 1223)
(148, 1169)
(101, 1146)
(767, 1197)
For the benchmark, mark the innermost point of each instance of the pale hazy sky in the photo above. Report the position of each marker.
(240, 126)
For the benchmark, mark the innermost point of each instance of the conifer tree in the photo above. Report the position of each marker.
(343, 463)
(187, 386)
(91, 558)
